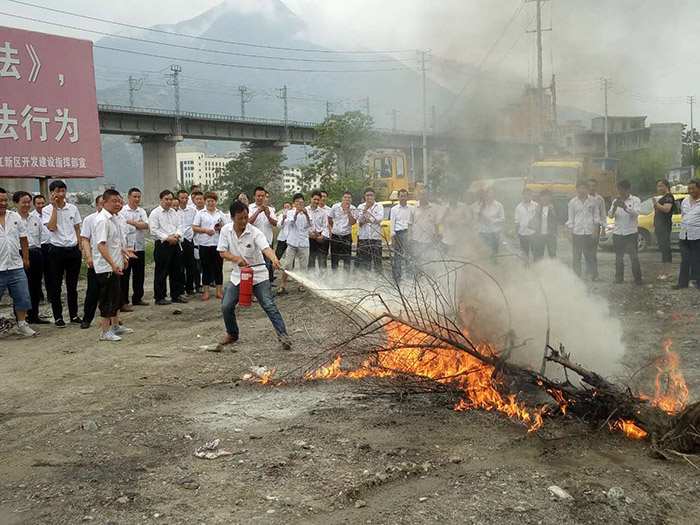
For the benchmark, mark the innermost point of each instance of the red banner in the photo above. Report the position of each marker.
(49, 125)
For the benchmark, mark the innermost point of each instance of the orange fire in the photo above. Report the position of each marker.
(411, 353)
(670, 391)
(629, 428)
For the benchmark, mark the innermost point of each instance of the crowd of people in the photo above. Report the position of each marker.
(192, 238)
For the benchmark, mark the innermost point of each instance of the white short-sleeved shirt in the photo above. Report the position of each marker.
(106, 228)
(135, 237)
(341, 221)
(10, 257)
(261, 222)
(626, 221)
(426, 223)
(524, 213)
(187, 220)
(68, 218)
(298, 232)
(690, 220)
(319, 220)
(250, 246)
(401, 218)
(208, 221)
(88, 229)
(283, 226)
(45, 234)
(372, 229)
(34, 226)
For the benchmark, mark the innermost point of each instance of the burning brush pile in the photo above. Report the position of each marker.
(407, 340)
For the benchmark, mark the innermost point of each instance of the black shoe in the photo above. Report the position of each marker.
(286, 343)
(200, 289)
(38, 320)
(85, 324)
(679, 287)
(180, 299)
(191, 293)
(76, 320)
(60, 323)
(163, 302)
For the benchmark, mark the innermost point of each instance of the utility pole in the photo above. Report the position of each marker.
(282, 93)
(555, 118)
(328, 108)
(134, 85)
(539, 44)
(691, 101)
(173, 79)
(432, 118)
(366, 103)
(394, 115)
(245, 97)
(606, 85)
(423, 69)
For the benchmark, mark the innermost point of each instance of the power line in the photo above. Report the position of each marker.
(241, 66)
(206, 39)
(493, 48)
(199, 49)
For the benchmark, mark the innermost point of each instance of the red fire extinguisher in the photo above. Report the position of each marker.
(245, 290)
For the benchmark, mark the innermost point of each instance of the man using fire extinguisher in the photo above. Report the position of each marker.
(244, 245)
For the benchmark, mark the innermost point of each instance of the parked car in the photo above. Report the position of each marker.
(647, 236)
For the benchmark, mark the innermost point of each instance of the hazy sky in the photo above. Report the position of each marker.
(648, 48)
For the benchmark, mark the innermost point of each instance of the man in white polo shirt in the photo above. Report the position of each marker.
(110, 257)
(187, 211)
(136, 221)
(62, 219)
(14, 259)
(87, 241)
(23, 203)
(263, 218)
(625, 211)
(689, 238)
(369, 234)
(244, 245)
(401, 217)
(39, 202)
(341, 219)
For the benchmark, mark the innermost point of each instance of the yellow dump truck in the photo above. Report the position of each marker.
(560, 175)
(388, 172)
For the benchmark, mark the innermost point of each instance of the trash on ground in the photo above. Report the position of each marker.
(211, 450)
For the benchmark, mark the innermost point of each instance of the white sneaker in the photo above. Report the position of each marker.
(109, 336)
(121, 329)
(24, 329)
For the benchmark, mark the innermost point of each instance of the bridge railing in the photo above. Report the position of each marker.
(230, 118)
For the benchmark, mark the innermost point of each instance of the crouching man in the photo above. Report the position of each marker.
(244, 245)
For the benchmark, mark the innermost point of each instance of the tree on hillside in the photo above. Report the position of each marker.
(689, 157)
(642, 168)
(337, 160)
(251, 168)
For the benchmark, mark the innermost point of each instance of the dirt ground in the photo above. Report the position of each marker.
(312, 453)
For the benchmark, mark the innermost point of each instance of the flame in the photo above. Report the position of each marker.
(266, 377)
(412, 353)
(561, 399)
(629, 428)
(674, 396)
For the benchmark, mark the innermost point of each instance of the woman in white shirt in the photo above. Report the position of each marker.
(206, 227)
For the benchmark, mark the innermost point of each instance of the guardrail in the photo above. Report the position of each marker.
(230, 118)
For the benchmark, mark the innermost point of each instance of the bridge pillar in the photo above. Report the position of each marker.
(159, 166)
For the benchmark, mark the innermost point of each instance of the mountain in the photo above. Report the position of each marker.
(214, 89)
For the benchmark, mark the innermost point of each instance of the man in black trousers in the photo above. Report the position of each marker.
(92, 293)
(136, 221)
(63, 222)
(166, 230)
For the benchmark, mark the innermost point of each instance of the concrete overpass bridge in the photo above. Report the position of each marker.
(158, 131)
